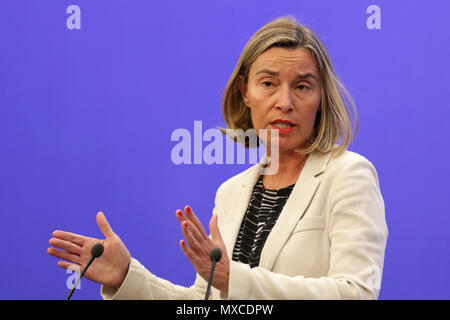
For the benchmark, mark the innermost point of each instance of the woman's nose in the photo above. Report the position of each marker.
(284, 101)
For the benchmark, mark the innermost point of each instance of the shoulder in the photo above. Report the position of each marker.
(349, 161)
(352, 170)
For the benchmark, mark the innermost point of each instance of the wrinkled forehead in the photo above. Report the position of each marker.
(285, 61)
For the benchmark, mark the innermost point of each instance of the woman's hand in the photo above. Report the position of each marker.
(110, 269)
(199, 245)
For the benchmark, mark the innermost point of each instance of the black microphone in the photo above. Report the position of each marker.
(215, 255)
(96, 251)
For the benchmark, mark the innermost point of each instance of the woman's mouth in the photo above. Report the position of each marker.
(283, 126)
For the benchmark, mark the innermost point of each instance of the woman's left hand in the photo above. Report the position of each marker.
(199, 245)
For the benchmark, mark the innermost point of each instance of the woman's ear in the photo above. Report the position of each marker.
(243, 89)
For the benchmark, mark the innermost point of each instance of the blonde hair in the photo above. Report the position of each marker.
(333, 118)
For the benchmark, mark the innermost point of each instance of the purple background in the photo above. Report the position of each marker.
(86, 118)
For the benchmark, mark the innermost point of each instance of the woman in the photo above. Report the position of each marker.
(314, 229)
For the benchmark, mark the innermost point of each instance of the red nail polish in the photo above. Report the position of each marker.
(180, 213)
(188, 209)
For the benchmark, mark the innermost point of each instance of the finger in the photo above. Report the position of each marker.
(199, 235)
(193, 228)
(190, 239)
(104, 226)
(193, 258)
(65, 245)
(64, 255)
(214, 229)
(69, 236)
(180, 216)
(72, 266)
(192, 217)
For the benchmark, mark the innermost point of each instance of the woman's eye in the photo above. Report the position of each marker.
(302, 87)
(267, 84)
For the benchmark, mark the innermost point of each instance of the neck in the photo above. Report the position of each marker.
(290, 164)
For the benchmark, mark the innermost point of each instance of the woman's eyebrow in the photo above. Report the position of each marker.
(306, 76)
(272, 73)
(299, 76)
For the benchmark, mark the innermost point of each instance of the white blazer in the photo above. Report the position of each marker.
(328, 242)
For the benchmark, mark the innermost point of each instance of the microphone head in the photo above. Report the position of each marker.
(215, 254)
(97, 250)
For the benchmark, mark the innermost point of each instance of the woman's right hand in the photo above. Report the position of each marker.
(110, 269)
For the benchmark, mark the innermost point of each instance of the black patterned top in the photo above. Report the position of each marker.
(263, 211)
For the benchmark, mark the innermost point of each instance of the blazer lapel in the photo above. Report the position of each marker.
(241, 199)
(295, 207)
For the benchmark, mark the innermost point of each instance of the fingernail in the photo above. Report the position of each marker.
(180, 213)
(188, 209)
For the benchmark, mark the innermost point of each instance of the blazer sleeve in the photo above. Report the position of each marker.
(357, 233)
(141, 284)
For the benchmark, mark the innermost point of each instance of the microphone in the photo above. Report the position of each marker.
(215, 255)
(96, 251)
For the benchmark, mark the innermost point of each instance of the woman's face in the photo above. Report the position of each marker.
(283, 92)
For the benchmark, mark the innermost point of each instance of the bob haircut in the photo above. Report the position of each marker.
(333, 121)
